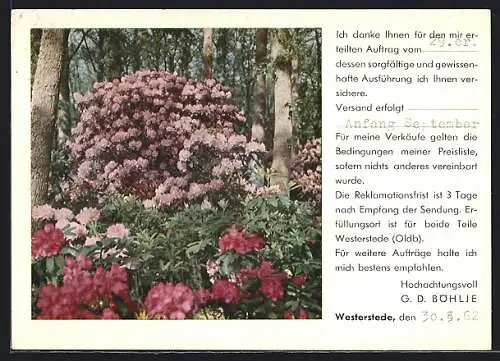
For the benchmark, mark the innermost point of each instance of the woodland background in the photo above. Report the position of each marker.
(262, 67)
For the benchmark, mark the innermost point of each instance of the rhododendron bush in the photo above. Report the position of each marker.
(159, 136)
(306, 170)
(97, 263)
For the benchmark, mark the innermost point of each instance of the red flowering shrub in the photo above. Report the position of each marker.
(225, 291)
(299, 280)
(306, 170)
(47, 242)
(109, 314)
(244, 279)
(240, 241)
(287, 315)
(159, 136)
(272, 288)
(172, 301)
(271, 280)
(85, 294)
(202, 296)
(302, 314)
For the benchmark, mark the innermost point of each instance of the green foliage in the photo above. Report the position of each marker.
(308, 103)
(287, 226)
(130, 211)
(177, 248)
(60, 165)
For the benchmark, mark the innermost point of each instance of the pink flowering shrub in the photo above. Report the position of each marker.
(248, 285)
(306, 170)
(85, 293)
(159, 136)
(117, 231)
(56, 227)
(170, 301)
(259, 261)
(240, 241)
(47, 242)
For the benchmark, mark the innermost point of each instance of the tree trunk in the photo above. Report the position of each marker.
(186, 38)
(43, 110)
(36, 37)
(259, 94)
(171, 59)
(115, 66)
(294, 82)
(207, 53)
(101, 35)
(221, 43)
(317, 36)
(135, 56)
(63, 116)
(282, 120)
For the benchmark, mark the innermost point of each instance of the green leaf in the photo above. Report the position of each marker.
(225, 267)
(50, 265)
(68, 231)
(60, 261)
(193, 248)
(69, 251)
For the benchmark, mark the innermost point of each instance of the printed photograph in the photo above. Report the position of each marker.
(176, 173)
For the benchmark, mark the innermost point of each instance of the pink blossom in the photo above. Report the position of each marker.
(120, 137)
(255, 147)
(110, 166)
(87, 215)
(117, 230)
(42, 212)
(135, 144)
(184, 155)
(77, 230)
(195, 190)
(90, 241)
(62, 223)
(63, 213)
(153, 116)
(84, 169)
(91, 152)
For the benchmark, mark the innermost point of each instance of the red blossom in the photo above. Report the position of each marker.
(173, 301)
(271, 280)
(85, 294)
(239, 241)
(202, 296)
(272, 288)
(302, 314)
(288, 315)
(47, 242)
(300, 279)
(311, 242)
(255, 241)
(109, 314)
(246, 274)
(225, 291)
